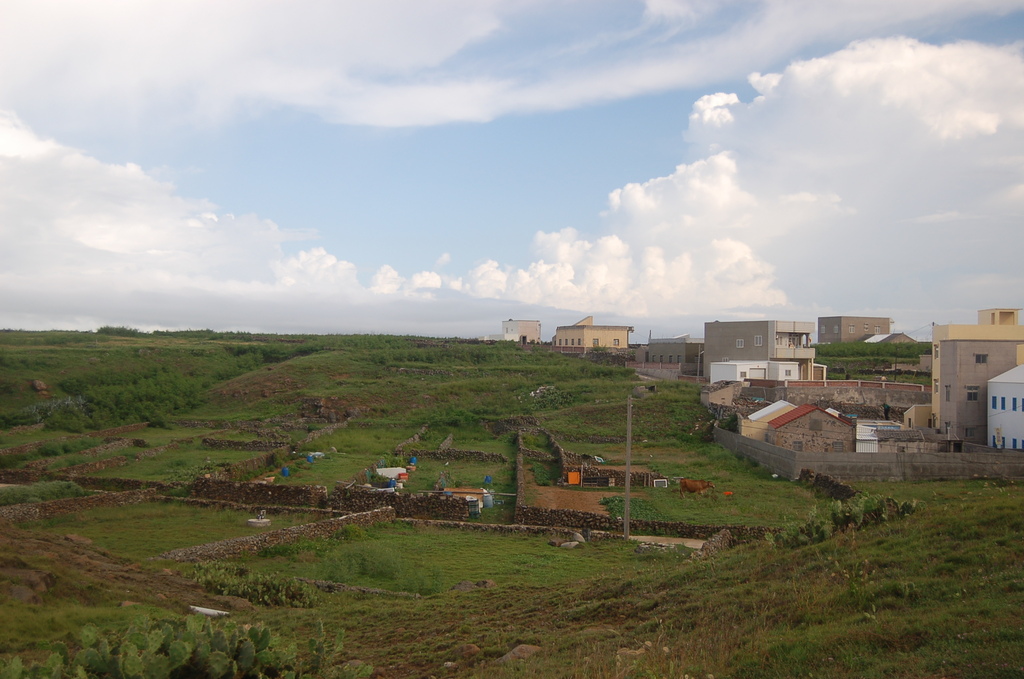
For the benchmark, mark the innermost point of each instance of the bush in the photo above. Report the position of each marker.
(261, 589)
(193, 647)
(40, 492)
(858, 511)
(382, 565)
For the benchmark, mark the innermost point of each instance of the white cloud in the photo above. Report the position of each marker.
(406, 62)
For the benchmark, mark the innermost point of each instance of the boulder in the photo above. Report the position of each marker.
(520, 652)
(569, 545)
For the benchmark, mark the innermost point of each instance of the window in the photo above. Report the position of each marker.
(968, 432)
(835, 329)
(798, 445)
(1014, 404)
(878, 330)
(937, 387)
(993, 403)
(972, 393)
(981, 358)
(743, 374)
(758, 340)
(615, 342)
(947, 392)
(852, 328)
(1015, 444)
(739, 344)
(866, 327)
(596, 342)
(789, 372)
(1002, 403)
(936, 348)
(993, 440)
(837, 447)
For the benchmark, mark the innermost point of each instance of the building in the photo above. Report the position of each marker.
(891, 338)
(685, 350)
(755, 426)
(964, 359)
(741, 371)
(787, 341)
(523, 332)
(809, 428)
(1006, 409)
(833, 329)
(584, 336)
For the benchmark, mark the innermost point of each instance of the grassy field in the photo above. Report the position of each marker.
(935, 594)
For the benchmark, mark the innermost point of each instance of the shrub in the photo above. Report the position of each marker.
(40, 492)
(193, 647)
(858, 511)
(259, 588)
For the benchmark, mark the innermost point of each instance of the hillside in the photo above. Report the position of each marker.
(936, 593)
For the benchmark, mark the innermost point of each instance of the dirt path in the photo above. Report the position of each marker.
(554, 497)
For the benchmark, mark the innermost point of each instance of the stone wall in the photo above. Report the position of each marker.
(571, 518)
(457, 454)
(529, 452)
(254, 444)
(251, 509)
(878, 466)
(499, 528)
(423, 505)
(859, 392)
(260, 493)
(44, 510)
(828, 485)
(91, 467)
(115, 484)
(245, 469)
(20, 476)
(415, 438)
(251, 544)
(617, 476)
(24, 428)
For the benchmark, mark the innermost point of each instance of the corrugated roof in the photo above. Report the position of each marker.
(800, 411)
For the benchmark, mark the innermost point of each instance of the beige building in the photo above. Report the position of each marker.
(809, 428)
(584, 336)
(964, 359)
(833, 329)
(756, 425)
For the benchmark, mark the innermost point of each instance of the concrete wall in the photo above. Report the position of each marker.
(979, 463)
(862, 392)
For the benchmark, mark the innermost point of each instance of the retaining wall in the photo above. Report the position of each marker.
(45, 510)
(861, 392)
(571, 518)
(260, 493)
(457, 454)
(254, 444)
(426, 505)
(828, 485)
(251, 544)
(877, 466)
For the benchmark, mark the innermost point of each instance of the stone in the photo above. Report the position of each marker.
(555, 542)
(467, 650)
(78, 539)
(578, 538)
(23, 594)
(569, 545)
(520, 652)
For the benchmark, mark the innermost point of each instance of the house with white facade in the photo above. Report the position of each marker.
(1006, 409)
(740, 371)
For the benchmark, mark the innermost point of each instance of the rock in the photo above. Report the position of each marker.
(24, 594)
(569, 545)
(39, 385)
(449, 665)
(520, 652)
(467, 650)
(486, 584)
(555, 542)
(78, 539)
(578, 538)
(464, 586)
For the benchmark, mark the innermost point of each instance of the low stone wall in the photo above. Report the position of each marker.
(153, 452)
(618, 476)
(571, 518)
(251, 509)
(23, 448)
(251, 544)
(44, 510)
(20, 476)
(499, 528)
(421, 506)
(254, 444)
(415, 438)
(828, 485)
(329, 429)
(24, 428)
(114, 484)
(90, 467)
(716, 543)
(457, 454)
(244, 469)
(529, 452)
(260, 493)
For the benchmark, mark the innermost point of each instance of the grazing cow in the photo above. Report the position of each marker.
(694, 486)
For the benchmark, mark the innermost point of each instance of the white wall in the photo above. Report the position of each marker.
(1006, 419)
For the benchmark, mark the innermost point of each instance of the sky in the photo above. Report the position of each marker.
(435, 168)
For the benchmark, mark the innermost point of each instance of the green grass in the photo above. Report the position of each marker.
(142, 531)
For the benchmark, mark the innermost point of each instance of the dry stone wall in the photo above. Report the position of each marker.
(91, 467)
(415, 438)
(423, 505)
(246, 468)
(571, 518)
(457, 454)
(254, 444)
(44, 510)
(251, 544)
(828, 485)
(260, 493)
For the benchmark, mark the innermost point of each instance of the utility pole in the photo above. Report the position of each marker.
(629, 461)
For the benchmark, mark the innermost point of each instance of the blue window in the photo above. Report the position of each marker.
(1014, 404)
(993, 440)
(1003, 406)
(1015, 444)
(993, 403)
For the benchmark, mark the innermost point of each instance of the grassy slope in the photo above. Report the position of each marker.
(936, 594)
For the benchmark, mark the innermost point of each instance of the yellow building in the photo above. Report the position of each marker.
(964, 358)
(584, 336)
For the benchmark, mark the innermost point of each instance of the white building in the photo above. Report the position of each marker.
(740, 371)
(523, 332)
(1006, 409)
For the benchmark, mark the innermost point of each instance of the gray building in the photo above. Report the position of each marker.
(685, 350)
(761, 341)
(851, 328)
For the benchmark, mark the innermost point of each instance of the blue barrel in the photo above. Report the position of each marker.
(285, 472)
(392, 483)
(309, 459)
(412, 460)
(487, 480)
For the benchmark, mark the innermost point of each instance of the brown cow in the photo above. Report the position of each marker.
(694, 486)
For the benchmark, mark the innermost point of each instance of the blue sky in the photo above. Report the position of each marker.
(435, 168)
